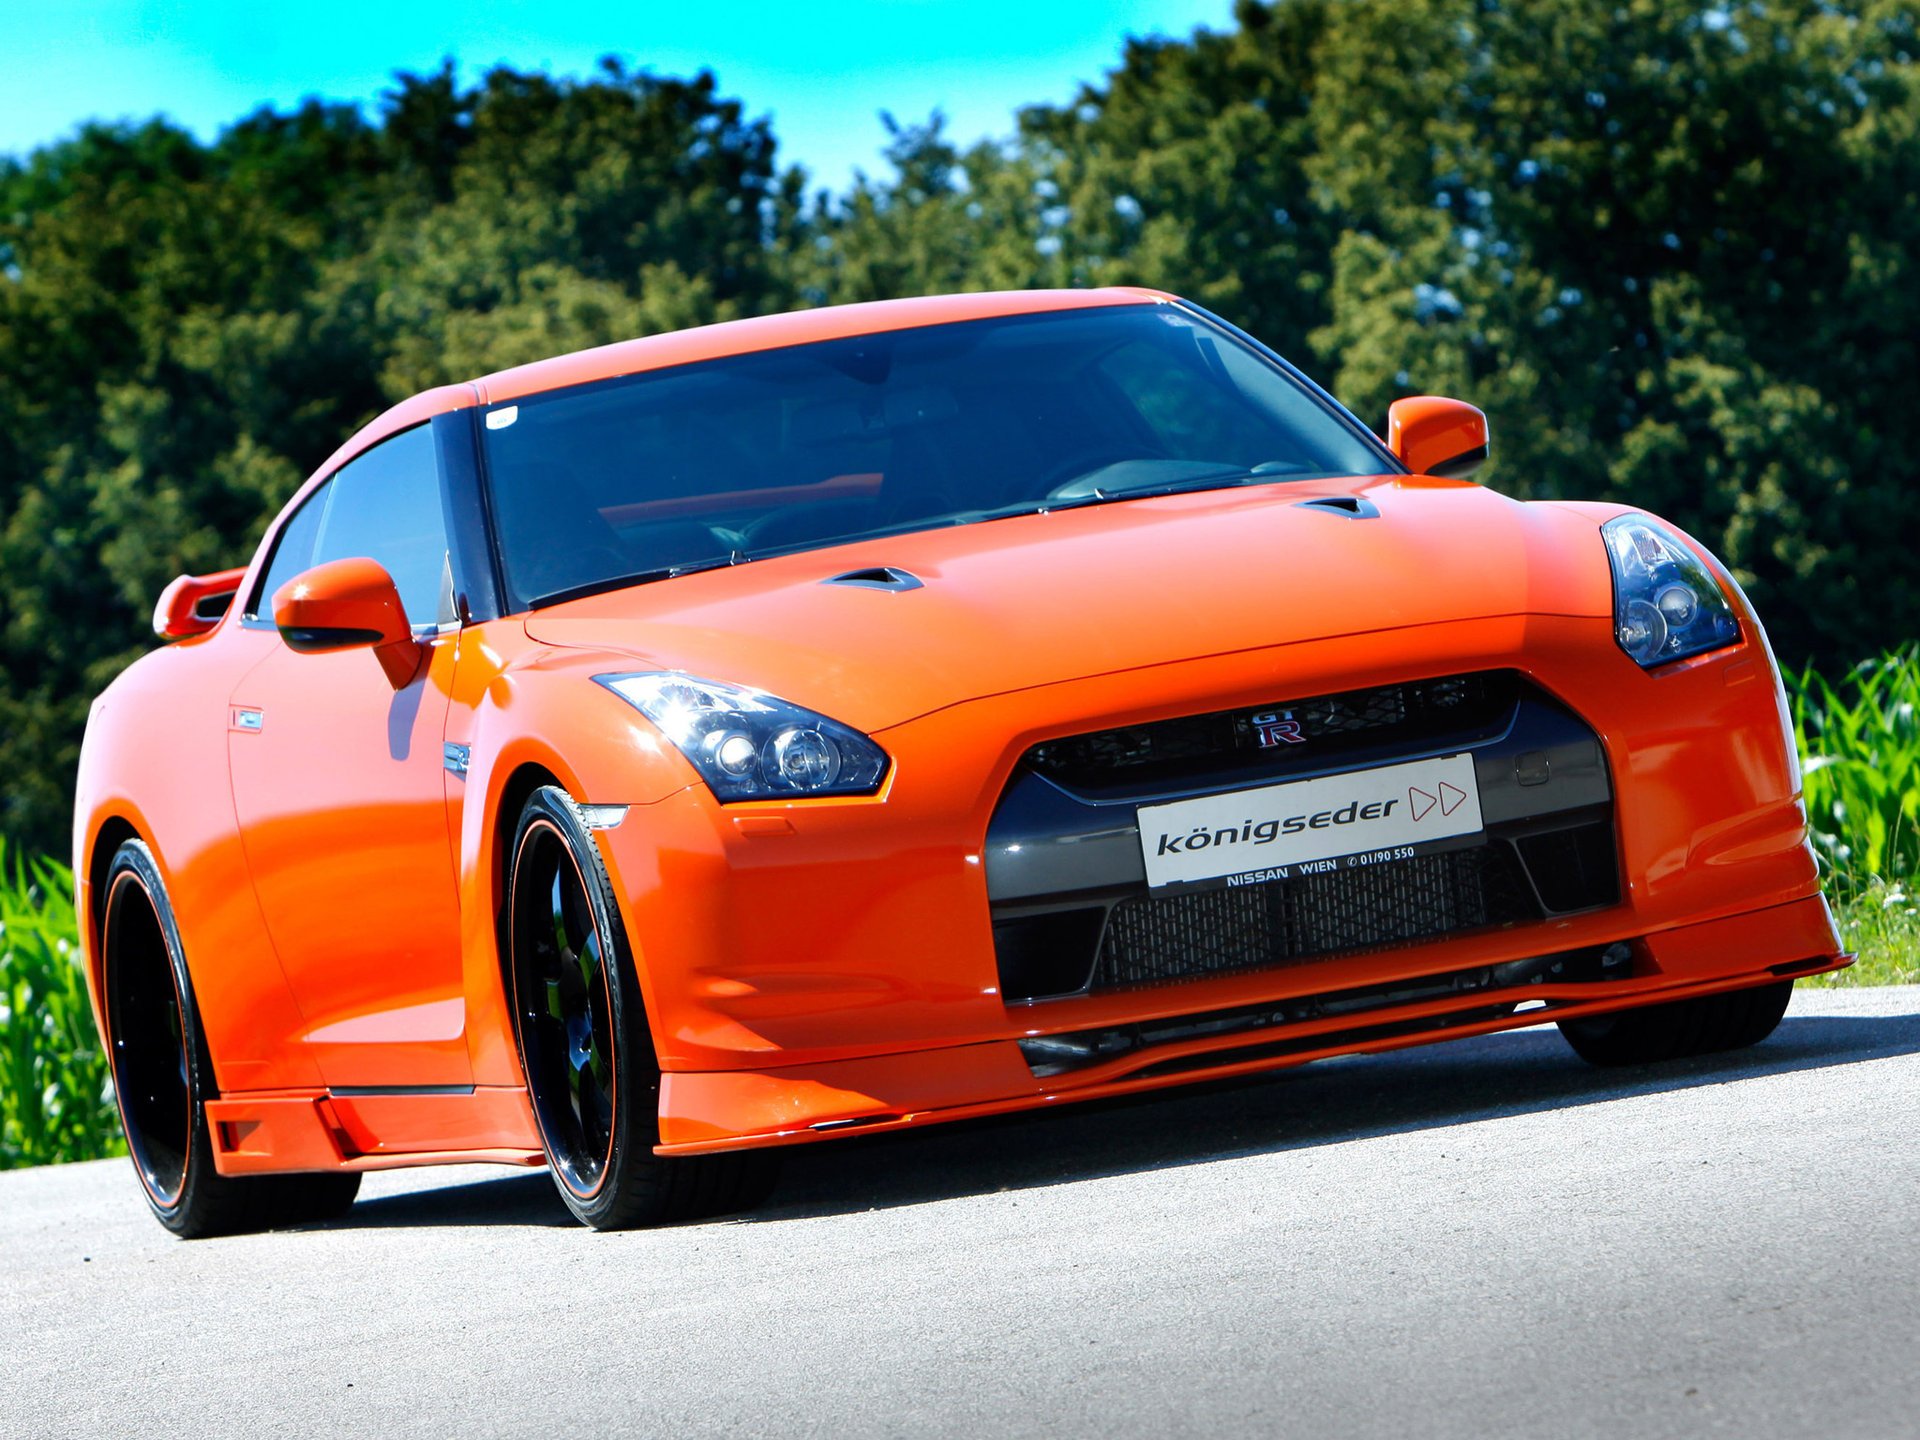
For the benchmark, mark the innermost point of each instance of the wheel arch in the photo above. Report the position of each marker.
(525, 778)
(90, 894)
(541, 721)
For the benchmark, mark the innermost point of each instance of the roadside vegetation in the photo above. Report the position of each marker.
(1860, 740)
(55, 1101)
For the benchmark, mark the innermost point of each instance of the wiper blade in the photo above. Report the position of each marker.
(637, 577)
(1225, 480)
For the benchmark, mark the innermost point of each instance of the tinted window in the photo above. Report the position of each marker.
(941, 425)
(384, 506)
(292, 553)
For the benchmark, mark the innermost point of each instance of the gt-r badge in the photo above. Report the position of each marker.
(1279, 728)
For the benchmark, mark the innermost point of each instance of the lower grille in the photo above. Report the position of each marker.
(1151, 941)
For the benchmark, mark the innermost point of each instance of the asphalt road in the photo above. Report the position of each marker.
(1484, 1238)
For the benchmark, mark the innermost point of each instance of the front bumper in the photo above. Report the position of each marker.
(833, 963)
(701, 1112)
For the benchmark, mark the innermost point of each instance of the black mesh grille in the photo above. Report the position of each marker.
(1187, 936)
(1304, 731)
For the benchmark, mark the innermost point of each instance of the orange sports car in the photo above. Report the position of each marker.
(822, 724)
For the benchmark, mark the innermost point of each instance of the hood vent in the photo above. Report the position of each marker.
(1354, 507)
(877, 577)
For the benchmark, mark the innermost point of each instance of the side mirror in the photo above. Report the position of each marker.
(1432, 435)
(193, 604)
(344, 604)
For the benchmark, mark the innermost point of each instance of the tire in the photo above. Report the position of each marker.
(1701, 1026)
(586, 1051)
(163, 1074)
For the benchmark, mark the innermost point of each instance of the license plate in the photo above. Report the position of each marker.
(1305, 827)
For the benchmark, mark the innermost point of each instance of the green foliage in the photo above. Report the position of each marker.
(1861, 743)
(187, 330)
(1673, 250)
(56, 1102)
(1579, 216)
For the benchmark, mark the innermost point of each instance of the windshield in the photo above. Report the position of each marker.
(729, 460)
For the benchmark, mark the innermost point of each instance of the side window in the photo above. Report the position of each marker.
(292, 553)
(385, 505)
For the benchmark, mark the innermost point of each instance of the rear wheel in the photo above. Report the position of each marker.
(592, 1075)
(163, 1074)
(1700, 1026)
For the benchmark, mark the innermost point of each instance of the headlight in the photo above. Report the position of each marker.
(1666, 603)
(748, 745)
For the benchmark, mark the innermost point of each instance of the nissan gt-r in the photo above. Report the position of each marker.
(825, 724)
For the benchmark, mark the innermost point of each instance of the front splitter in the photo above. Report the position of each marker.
(709, 1111)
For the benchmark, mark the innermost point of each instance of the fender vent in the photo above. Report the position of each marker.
(1354, 507)
(877, 577)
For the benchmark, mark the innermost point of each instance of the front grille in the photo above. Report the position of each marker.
(1152, 941)
(1451, 708)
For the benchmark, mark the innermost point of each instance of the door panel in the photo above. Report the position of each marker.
(342, 806)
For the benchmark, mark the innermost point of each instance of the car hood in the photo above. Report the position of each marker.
(1010, 604)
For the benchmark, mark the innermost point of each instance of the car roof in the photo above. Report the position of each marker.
(728, 337)
(797, 327)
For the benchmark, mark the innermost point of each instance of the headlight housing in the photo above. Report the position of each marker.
(1666, 604)
(748, 745)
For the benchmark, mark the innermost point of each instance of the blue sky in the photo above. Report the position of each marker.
(822, 70)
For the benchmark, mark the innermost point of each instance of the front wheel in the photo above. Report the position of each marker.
(592, 1076)
(1700, 1026)
(163, 1073)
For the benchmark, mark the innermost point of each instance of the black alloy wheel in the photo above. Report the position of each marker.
(147, 1019)
(163, 1073)
(564, 1004)
(592, 1076)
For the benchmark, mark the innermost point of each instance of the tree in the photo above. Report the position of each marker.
(186, 330)
(1671, 249)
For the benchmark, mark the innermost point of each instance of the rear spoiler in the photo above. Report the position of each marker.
(193, 604)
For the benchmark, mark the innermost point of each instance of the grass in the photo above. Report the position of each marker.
(55, 1099)
(1860, 747)
(1882, 925)
(1860, 740)
(1861, 743)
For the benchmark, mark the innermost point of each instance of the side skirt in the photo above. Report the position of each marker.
(372, 1129)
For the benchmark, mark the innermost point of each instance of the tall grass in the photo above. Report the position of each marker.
(1860, 741)
(55, 1099)
(1860, 749)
